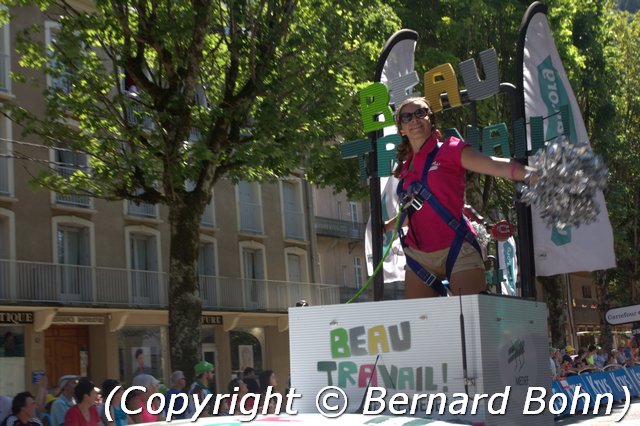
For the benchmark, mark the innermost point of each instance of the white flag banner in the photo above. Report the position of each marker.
(393, 265)
(396, 70)
(508, 262)
(546, 89)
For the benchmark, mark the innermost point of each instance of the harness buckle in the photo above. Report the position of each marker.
(410, 200)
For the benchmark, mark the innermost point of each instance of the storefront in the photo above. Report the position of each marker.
(103, 343)
(12, 351)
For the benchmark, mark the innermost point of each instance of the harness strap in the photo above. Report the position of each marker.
(427, 277)
(418, 193)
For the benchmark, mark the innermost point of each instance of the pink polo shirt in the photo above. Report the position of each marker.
(446, 179)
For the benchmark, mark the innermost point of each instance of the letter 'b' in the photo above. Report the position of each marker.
(374, 100)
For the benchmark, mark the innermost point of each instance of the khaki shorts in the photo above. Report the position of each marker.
(436, 261)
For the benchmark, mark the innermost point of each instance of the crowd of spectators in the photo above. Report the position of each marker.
(566, 361)
(76, 401)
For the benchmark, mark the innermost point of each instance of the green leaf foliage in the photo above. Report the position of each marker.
(245, 90)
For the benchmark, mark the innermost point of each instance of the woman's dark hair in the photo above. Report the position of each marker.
(404, 149)
(19, 401)
(265, 378)
(234, 383)
(138, 353)
(107, 386)
(84, 387)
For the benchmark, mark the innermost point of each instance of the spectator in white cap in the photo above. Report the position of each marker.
(140, 399)
(66, 387)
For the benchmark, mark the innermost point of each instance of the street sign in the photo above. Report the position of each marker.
(623, 315)
(502, 230)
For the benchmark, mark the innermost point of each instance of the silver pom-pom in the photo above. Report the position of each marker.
(565, 183)
(482, 236)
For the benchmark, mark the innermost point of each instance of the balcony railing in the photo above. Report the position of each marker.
(339, 228)
(76, 200)
(585, 311)
(47, 283)
(136, 114)
(227, 293)
(142, 209)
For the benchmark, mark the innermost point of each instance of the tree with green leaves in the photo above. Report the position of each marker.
(595, 42)
(621, 148)
(245, 89)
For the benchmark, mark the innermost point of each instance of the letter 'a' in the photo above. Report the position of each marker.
(441, 79)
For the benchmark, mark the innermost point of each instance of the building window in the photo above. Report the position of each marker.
(586, 292)
(74, 257)
(252, 257)
(58, 79)
(246, 348)
(67, 163)
(292, 208)
(7, 255)
(149, 344)
(297, 268)
(357, 271)
(143, 250)
(207, 272)
(250, 207)
(74, 273)
(6, 160)
(12, 359)
(294, 269)
(297, 276)
(209, 216)
(353, 212)
(5, 58)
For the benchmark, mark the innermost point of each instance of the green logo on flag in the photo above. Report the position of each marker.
(554, 96)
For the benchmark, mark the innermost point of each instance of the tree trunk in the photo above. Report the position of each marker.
(602, 286)
(185, 304)
(553, 296)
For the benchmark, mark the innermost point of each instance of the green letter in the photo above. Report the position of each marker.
(346, 369)
(327, 366)
(340, 343)
(495, 136)
(385, 156)
(374, 100)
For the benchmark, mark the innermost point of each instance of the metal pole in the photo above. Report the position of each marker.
(523, 212)
(376, 217)
(496, 269)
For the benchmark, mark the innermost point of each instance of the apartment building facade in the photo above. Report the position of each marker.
(83, 281)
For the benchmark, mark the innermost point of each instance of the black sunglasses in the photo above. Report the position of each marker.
(406, 117)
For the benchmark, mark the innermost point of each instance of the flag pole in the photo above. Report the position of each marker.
(374, 178)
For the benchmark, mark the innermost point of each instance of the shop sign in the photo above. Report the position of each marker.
(623, 315)
(78, 319)
(212, 320)
(16, 317)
